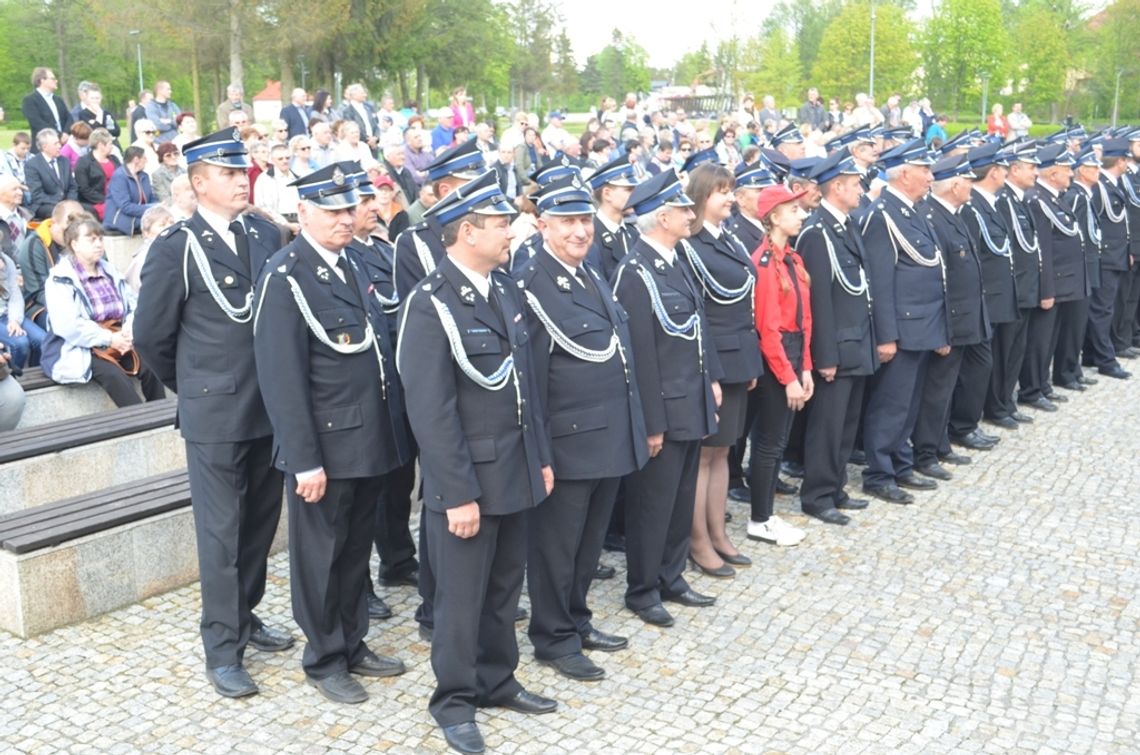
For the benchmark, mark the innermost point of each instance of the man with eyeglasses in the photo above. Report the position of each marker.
(44, 108)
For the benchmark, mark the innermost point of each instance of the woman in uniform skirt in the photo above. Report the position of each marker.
(783, 319)
(725, 278)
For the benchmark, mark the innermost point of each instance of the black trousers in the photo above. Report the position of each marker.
(474, 650)
(235, 494)
(1034, 378)
(329, 545)
(829, 437)
(934, 405)
(1098, 336)
(392, 535)
(566, 534)
(1068, 335)
(736, 473)
(659, 502)
(891, 416)
(424, 613)
(1008, 352)
(1124, 311)
(794, 448)
(969, 399)
(769, 438)
(121, 387)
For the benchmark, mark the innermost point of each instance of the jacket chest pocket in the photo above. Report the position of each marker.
(341, 324)
(583, 324)
(677, 304)
(228, 283)
(480, 344)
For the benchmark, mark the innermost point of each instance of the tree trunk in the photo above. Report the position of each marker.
(61, 43)
(421, 81)
(195, 80)
(237, 74)
(287, 79)
(402, 84)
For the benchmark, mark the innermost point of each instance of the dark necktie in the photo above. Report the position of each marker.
(796, 287)
(55, 171)
(496, 305)
(583, 278)
(241, 244)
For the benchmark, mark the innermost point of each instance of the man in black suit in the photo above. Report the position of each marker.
(1108, 336)
(1062, 242)
(969, 324)
(48, 175)
(296, 114)
(843, 351)
(470, 382)
(358, 109)
(43, 108)
(1078, 199)
(195, 331)
(323, 366)
(583, 363)
(677, 376)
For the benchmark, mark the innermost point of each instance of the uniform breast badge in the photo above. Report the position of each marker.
(323, 273)
(344, 339)
(659, 264)
(563, 282)
(467, 294)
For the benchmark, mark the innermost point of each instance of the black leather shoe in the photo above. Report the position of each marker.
(232, 681)
(372, 664)
(340, 687)
(740, 495)
(606, 643)
(655, 615)
(853, 504)
(377, 608)
(269, 641)
(858, 458)
(736, 559)
(934, 470)
(995, 439)
(690, 598)
(1073, 386)
(1005, 423)
(407, 579)
(604, 571)
(786, 488)
(1087, 380)
(577, 667)
(724, 571)
(975, 442)
(792, 469)
(912, 481)
(1021, 417)
(1055, 397)
(1040, 403)
(1128, 353)
(464, 738)
(830, 516)
(528, 702)
(520, 614)
(890, 494)
(955, 458)
(1115, 372)
(425, 633)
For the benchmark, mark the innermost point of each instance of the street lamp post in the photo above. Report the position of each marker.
(137, 34)
(871, 83)
(985, 93)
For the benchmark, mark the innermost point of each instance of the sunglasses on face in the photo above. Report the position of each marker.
(151, 133)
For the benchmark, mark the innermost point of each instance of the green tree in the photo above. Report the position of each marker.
(531, 24)
(843, 65)
(566, 83)
(966, 41)
(1041, 52)
(770, 64)
(621, 66)
(694, 67)
(1113, 49)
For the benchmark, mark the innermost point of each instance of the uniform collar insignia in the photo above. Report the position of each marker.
(207, 233)
(659, 263)
(281, 268)
(499, 287)
(563, 282)
(607, 237)
(521, 284)
(323, 273)
(905, 212)
(253, 232)
(467, 294)
(427, 287)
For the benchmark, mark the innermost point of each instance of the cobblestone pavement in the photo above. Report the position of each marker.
(999, 614)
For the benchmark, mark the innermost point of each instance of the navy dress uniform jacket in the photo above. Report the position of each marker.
(909, 299)
(969, 322)
(842, 329)
(1066, 252)
(1130, 185)
(193, 347)
(413, 246)
(1080, 204)
(998, 279)
(676, 393)
(376, 261)
(749, 233)
(732, 327)
(1107, 199)
(328, 409)
(609, 248)
(594, 413)
(1033, 282)
(525, 252)
(473, 444)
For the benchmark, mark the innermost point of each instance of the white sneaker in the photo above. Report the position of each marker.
(787, 531)
(761, 531)
(776, 531)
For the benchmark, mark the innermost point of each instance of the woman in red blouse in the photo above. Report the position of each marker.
(783, 320)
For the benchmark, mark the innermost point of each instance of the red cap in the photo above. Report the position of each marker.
(772, 197)
(384, 180)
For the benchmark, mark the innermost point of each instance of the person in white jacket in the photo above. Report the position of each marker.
(83, 292)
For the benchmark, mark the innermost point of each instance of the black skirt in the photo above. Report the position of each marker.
(732, 411)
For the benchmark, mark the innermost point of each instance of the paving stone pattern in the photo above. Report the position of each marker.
(997, 615)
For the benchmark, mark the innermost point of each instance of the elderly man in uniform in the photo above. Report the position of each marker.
(485, 455)
(789, 141)
(583, 363)
(969, 323)
(843, 349)
(325, 369)
(558, 167)
(194, 329)
(905, 268)
(677, 375)
(1062, 242)
(1111, 205)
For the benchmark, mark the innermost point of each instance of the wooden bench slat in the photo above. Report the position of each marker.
(34, 378)
(80, 431)
(46, 538)
(79, 519)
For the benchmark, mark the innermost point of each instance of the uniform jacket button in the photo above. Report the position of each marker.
(330, 424)
(574, 426)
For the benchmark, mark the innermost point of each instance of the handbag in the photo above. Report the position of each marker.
(127, 361)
